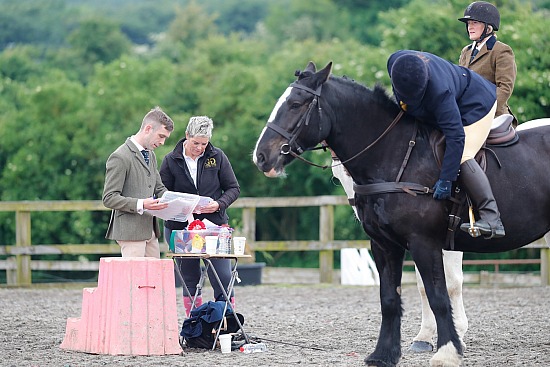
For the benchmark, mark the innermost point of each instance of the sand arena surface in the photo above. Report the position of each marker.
(507, 327)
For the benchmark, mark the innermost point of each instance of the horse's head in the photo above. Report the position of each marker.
(289, 130)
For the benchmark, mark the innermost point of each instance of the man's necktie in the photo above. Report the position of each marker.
(474, 53)
(145, 155)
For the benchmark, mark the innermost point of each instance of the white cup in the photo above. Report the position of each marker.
(211, 244)
(238, 245)
(225, 343)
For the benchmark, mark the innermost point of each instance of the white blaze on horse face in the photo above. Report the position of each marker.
(254, 154)
(279, 103)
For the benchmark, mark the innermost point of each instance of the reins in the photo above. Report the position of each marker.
(390, 126)
(393, 123)
(304, 121)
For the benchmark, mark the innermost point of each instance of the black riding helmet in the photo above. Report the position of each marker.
(483, 12)
(409, 76)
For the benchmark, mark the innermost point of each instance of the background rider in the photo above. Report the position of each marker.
(493, 60)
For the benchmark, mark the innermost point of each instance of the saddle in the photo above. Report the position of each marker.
(502, 134)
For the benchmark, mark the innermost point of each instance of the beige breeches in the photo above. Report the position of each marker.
(476, 134)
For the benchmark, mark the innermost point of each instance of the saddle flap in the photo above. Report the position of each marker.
(437, 142)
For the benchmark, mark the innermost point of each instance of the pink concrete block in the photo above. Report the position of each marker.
(131, 312)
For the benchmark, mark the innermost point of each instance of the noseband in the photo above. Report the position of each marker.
(304, 121)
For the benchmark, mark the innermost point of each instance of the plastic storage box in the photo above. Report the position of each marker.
(193, 241)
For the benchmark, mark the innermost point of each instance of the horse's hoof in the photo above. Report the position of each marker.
(447, 356)
(421, 347)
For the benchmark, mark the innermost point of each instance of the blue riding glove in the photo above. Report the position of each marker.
(442, 189)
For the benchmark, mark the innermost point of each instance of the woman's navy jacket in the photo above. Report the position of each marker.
(455, 97)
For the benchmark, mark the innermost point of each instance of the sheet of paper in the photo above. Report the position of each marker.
(203, 200)
(180, 205)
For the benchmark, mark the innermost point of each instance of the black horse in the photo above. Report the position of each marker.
(365, 129)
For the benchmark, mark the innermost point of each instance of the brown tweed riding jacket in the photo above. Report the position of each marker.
(496, 63)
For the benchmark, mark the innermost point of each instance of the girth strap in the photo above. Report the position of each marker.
(396, 186)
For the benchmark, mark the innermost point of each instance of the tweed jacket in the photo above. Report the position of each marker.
(496, 63)
(127, 179)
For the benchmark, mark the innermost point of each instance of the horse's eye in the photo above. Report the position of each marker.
(295, 105)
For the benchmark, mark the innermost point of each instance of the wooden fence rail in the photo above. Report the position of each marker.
(19, 265)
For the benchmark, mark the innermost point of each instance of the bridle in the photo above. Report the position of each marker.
(292, 136)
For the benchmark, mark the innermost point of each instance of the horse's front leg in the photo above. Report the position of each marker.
(423, 341)
(452, 260)
(429, 262)
(389, 262)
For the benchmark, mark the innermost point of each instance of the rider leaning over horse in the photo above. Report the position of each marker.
(462, 105)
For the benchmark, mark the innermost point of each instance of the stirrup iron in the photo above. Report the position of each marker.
(472, 230)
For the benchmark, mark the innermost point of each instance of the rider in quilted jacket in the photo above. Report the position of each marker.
(461, 104)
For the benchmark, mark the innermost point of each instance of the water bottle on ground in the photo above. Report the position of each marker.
(253, 348)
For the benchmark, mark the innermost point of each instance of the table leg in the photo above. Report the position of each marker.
(234, 276)
(186, 289)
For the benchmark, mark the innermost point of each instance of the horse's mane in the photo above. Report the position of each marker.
(379, 94)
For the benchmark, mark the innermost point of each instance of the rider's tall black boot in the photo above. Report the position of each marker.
(478, 188)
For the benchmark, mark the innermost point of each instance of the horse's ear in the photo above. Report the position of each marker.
(325, 73)
(311, 67)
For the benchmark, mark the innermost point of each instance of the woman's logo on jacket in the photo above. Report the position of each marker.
(210, 162)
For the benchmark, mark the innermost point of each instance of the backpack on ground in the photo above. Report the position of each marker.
(199, 330)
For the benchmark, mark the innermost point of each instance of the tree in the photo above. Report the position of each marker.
(190, 25)
(237, 15)
(19, 63)
(408, 27)
(526, 31)
(298, 20)
(32, 22)
(98, 40)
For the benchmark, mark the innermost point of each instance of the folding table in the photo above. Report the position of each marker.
(206, 259)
